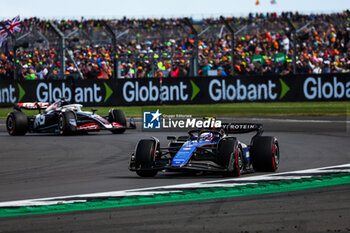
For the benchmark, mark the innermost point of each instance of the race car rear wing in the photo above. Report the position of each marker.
(235, 128)
(31, 105)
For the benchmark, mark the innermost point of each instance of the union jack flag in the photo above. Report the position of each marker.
(3, 37)
(13, 26)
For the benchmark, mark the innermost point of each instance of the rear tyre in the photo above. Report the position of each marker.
(117, 115)
(144, 156)
(265, 154)
(231, 157)
(17, 123)
(64, 125)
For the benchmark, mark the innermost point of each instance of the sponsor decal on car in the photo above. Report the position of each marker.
(117, 125)
(89, 126)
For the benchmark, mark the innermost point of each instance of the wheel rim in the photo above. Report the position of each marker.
(10, 124)
(60, 124)
(276, 155)
(238, 163)
(240, 160)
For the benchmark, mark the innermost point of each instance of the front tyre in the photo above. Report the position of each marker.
(17, 123)
(67, 123)
(265, 154)
(144, 157)
(231, 156)
(118, 116)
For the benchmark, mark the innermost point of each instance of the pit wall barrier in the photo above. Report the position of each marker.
(196, 90)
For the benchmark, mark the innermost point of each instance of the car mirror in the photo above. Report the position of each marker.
(132, 123)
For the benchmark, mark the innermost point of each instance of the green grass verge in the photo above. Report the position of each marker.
(232, 109)
(186, 195)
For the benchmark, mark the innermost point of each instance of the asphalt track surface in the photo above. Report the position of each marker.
(37, 166)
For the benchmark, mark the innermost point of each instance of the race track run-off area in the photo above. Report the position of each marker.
(82, 184)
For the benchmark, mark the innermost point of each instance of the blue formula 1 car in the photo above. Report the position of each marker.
(208, 150)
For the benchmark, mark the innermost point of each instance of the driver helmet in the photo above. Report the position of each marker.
(206, 136)
(55, 105)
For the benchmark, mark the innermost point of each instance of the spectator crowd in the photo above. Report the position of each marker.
(167, 47)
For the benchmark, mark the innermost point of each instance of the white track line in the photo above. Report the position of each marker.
(148, 191)
(300, 121)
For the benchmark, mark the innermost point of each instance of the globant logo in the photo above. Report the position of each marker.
(319, 89)
(220, 90)
(9, 94)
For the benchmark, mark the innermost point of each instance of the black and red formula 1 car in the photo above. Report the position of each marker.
(63, 118)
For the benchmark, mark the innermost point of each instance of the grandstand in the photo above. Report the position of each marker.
(259, 44)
